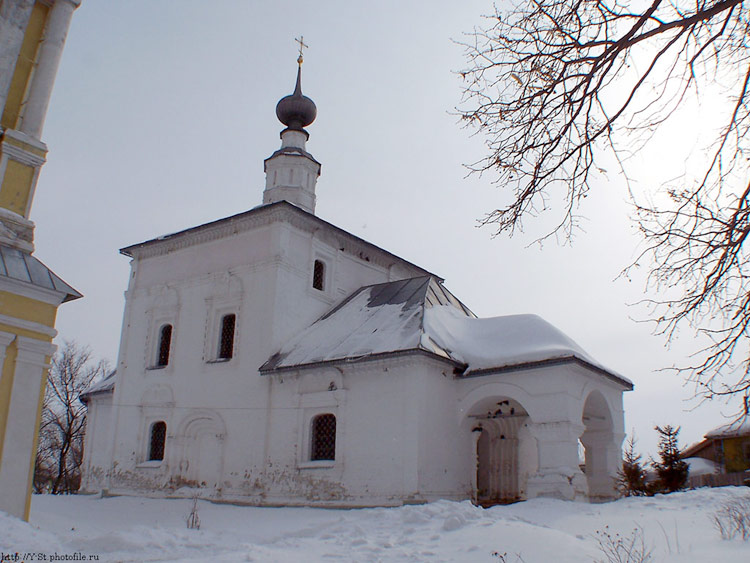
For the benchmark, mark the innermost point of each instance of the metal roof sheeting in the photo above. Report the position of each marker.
(385, 318)
(22, 266)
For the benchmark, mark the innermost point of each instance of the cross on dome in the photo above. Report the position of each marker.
(302, 45)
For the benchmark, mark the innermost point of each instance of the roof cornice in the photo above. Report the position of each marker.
(261, 216)
(534, 364)
(364, 358)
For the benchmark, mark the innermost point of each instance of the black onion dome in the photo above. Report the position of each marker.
(296, 111)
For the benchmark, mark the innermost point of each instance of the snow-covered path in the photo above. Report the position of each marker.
(677, 527)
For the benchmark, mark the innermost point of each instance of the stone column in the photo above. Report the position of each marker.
(14, 17)
(603, 457)
(476, 433)
(17, 464)
(558, 475)
(50, 51)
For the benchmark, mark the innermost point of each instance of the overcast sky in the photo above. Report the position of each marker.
(163, 112)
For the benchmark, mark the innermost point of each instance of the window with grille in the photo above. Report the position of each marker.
(165, 343)
(319, 274)
(323, 438)
(158, 437)
(226, 340)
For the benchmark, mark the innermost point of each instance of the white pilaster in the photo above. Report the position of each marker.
(21, 427)
(558, 475)
(50, 52)
(603, 458)
(14, 17)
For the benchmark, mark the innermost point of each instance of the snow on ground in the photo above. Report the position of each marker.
(677, 527)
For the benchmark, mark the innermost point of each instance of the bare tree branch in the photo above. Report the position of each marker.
(554, 84)
(60, 451)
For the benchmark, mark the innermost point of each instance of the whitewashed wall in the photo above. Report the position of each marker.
(264, 275)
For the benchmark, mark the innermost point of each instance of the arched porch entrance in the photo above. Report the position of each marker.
(498, 428)
(601, 451)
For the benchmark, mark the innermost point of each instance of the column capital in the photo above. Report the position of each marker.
(558, 431)
(6, 338)
(33, 351)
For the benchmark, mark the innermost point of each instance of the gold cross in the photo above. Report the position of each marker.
(302, 45)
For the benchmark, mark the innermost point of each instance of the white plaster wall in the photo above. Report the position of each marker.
(264, 276)
(402, 428)
(377, 434)
(97, 444)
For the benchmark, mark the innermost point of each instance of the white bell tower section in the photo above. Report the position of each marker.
(292, 172)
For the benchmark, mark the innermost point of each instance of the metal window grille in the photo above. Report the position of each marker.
(319, 273)
(158, 436)
(165, 343)
(226, 342)
(323, 437)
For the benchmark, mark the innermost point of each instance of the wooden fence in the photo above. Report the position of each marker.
(718, 480)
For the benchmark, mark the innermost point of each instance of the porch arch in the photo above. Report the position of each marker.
(503, 449)
(602, 450)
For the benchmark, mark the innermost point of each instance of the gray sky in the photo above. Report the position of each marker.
(163, 112)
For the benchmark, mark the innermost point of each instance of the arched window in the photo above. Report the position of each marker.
(226, 339)
(323, 445)
(158, 437)
(319, 275)
(165, 343)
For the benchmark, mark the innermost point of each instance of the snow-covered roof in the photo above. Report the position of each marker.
(101, 386)
(736, 428)
(378, 319)
(501, 342)
(420, 315)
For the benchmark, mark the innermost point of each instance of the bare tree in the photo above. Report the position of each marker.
(555, 84)
(60, 451)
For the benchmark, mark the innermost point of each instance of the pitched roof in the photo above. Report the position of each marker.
(420, 315)
(379, 319)
(733, 429)
(106, 385)
(22, 266)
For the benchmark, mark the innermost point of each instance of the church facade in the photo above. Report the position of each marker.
(275, 359)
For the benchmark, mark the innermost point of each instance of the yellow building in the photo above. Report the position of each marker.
(32, 35)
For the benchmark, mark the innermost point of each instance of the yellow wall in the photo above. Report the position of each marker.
(24, 66)
(27, 309)
(16, 187)
(734, 455)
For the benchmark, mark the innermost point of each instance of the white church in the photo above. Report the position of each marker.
(273, 358)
